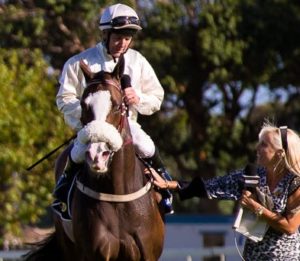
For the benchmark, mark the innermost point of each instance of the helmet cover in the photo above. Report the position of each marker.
(119, 16)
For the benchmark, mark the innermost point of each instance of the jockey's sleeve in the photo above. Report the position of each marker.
(148, 88)
(69, 93)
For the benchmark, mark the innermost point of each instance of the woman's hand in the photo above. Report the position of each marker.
(248, 200)
(162, 183)
(159, 181)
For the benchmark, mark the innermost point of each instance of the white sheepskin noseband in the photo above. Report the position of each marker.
(100, 131)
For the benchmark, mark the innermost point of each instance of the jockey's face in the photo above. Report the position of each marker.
(118, 44)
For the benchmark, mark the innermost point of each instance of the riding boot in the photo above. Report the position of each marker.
(167, 197)
(65, 180)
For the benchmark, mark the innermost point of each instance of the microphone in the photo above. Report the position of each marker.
(251, 181)
(125, 81)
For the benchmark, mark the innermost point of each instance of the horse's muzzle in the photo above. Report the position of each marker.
(98, 156)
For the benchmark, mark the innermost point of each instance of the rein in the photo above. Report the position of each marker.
(112, 197)
(124, 123)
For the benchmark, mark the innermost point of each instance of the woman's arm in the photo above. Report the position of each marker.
(186, 190)
(162, 183)
(287, 223)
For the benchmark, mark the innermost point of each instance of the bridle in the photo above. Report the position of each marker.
(123, 124)
(122, 107)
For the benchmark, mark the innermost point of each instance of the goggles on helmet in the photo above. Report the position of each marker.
(120, 21)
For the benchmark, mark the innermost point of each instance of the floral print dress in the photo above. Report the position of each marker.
(275, 246)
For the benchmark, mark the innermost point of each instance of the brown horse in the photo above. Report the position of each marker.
(115, 215)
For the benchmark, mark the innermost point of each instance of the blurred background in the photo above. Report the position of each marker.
(225, 65)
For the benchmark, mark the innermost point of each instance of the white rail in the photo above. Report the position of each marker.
(11, 254)
(187, 254)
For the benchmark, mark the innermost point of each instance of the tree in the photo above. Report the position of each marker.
(30, 128)
(59, 28)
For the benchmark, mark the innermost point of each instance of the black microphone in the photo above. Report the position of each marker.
(251, 181)
(125, 81)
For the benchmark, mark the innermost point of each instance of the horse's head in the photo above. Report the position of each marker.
(103, 111)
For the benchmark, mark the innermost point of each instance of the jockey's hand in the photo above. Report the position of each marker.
(130, 96)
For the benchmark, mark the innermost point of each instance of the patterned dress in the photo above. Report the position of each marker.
(275, 246)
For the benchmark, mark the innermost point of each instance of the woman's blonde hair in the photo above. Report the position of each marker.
(292, 155)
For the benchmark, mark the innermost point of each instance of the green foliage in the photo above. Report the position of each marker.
(59, 28)
(30, 128)
(219, 40)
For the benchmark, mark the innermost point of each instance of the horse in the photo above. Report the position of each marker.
(115, 215)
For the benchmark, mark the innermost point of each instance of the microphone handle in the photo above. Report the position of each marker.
(251, 189)
(238, 218)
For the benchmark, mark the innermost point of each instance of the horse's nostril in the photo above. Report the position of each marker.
(106, 154)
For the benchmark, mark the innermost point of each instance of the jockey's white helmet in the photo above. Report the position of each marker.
(119, 16)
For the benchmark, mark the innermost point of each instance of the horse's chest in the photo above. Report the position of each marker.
(111, 231)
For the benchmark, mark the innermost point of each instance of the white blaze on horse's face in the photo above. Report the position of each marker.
(98, 156)
(100, 103)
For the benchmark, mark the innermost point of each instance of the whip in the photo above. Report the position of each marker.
(50, 153)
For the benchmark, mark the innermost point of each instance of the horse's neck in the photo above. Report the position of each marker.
(124, 129)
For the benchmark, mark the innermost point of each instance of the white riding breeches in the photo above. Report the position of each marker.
(78, 151)
(143, 143)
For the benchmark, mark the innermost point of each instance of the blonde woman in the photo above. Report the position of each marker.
(278, 160)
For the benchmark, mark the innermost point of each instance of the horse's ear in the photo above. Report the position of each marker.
(86, 71)
(119, 68)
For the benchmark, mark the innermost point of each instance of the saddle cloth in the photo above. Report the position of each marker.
(63, 209)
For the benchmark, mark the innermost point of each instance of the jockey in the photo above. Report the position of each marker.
(142, 90)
